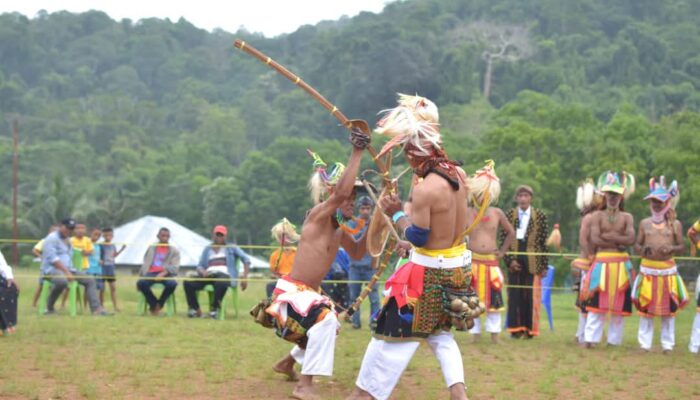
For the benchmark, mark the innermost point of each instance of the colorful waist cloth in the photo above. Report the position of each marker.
(658, 289)
(296, 307)
(487, 280)
(609, 285)
(582, 299)
(584, 264)
(406, 283)
(415, 298)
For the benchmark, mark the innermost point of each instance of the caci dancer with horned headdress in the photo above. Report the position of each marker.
(487, 278)
(301, 314)
(611, 273)
(658, 290)
(439, 263)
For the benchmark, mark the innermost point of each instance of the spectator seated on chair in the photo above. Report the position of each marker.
(57, 267)
(218, 266)
(161, 261)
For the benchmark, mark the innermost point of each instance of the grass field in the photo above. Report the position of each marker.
(135, 357)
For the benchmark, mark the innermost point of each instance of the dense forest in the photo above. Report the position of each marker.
(124, 118)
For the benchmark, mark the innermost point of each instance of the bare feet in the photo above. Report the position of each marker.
(156, 311)
(285, 366)
(494, 338)
(359, 394)
(589, 345)
(476, 337)
(304, 389)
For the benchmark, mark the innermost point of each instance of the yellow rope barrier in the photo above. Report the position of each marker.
(195, 279)
(271, 247)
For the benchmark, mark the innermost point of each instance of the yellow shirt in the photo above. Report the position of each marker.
(39, 246)
(282, 264)
(82, 244)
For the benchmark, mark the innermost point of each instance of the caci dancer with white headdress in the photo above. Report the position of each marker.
(588, 200)
(487, 277)
(415, 304)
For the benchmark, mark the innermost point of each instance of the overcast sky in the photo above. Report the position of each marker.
(267, 16)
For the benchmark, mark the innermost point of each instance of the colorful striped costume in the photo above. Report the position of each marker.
(659, 290)
(487, 280)
(609, 285)
(583, 265)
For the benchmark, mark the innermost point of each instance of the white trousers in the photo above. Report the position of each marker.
(581, 327)
(318, 357)
(384, 362)
(694, 345)
(593, 333)
(645, 335)
(493, 323)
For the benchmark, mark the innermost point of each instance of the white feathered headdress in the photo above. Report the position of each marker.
(414, 121)
(285, 232)
(484, 181)
(586, 194)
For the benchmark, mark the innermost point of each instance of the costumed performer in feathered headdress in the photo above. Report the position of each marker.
(658, 290)
(588, 200)
(439, 261)
(487, 278)
(611, 274)
(300, 313)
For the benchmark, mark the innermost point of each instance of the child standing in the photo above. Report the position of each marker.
(108, 254)
(94, 267)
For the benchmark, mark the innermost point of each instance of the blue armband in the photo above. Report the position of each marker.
(416, 235)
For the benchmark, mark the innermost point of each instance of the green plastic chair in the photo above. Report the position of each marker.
(209, 289)
(170, 306)
(73, 297)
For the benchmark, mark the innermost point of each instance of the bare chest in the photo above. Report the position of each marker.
(658, 233)
(612, 223)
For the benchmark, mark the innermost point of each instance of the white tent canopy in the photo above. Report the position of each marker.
(141, 233)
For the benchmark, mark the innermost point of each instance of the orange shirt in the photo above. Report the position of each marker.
(282, 264)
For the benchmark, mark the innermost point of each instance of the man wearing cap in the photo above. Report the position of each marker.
(57, 266)
(525, 270)
(659, 289)
(218, 266)
(363, 269)
(611, 274)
